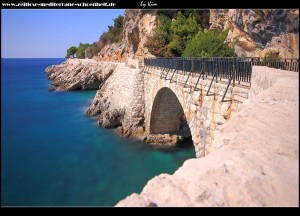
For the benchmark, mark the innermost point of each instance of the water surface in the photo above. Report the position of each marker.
(54, 155)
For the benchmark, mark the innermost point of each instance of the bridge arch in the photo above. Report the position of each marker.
(167, 115)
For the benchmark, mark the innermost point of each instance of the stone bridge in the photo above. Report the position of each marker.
(194, 97)
(169, 99)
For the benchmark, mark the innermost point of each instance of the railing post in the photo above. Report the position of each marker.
(192, 70)
(202, 70)
(234, 71)
(216, 71)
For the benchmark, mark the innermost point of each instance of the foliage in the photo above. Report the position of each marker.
(114, 33)
(157, 43)
(209, 44)
(95, 48)
(271, 56)
(202, 17)
(183, 29)
(171, 37)
(71, 51)
(81, 50)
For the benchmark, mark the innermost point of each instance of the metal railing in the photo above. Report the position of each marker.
(232, 69)
(224, 67)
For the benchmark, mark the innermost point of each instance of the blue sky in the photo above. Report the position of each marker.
(49, 33)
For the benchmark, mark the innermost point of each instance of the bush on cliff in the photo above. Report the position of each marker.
(81, 50)
(271, 56)
(157, 43)
(183, 30)
(184, 36)
(114, 33)
(209, 44)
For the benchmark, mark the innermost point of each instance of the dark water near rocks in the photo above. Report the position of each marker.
(54, 155)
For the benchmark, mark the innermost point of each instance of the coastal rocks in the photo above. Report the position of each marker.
(79, 74)
(163, 140)
(120, 102)
(51, 88)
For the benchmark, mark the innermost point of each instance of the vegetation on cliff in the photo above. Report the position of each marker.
(186, 36)
(78, 51)
(209, 44)
(71, 51)
(271, 56)
(112, 35)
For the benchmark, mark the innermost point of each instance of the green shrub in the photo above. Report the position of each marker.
(183, 29)
(114, 33)
(209, 44)
(271, 56)
(81, 50)
(161, 37)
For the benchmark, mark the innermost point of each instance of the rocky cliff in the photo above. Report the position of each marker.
(138, 26)
(119, 102)
(75, 74)
(255, 32)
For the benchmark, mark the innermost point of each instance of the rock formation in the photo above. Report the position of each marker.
(138, 26)
(255, 32)
(75, 74)
(119, 102)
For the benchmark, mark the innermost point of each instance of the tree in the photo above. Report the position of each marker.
(209, 44)
(114, 33)
(71, 51)
(81, 50)
(157, 43)
(183, 28)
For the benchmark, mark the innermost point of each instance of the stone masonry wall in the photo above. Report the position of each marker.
(205, 114)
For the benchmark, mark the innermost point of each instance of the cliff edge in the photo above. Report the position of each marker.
(79, 74)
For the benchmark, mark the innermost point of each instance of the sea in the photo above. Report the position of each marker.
(52, 154)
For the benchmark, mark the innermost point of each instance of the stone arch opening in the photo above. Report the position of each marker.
(167, 117)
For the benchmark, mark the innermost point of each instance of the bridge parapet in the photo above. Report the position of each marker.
(202, 105)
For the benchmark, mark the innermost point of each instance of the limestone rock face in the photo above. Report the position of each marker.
(138, 26)
(253, 32)
(76, 74)
(112, 52)
(259, 31)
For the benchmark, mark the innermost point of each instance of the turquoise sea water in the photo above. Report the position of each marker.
(52, 154)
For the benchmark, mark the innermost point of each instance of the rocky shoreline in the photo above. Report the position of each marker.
(79, 74)
(119, 101)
